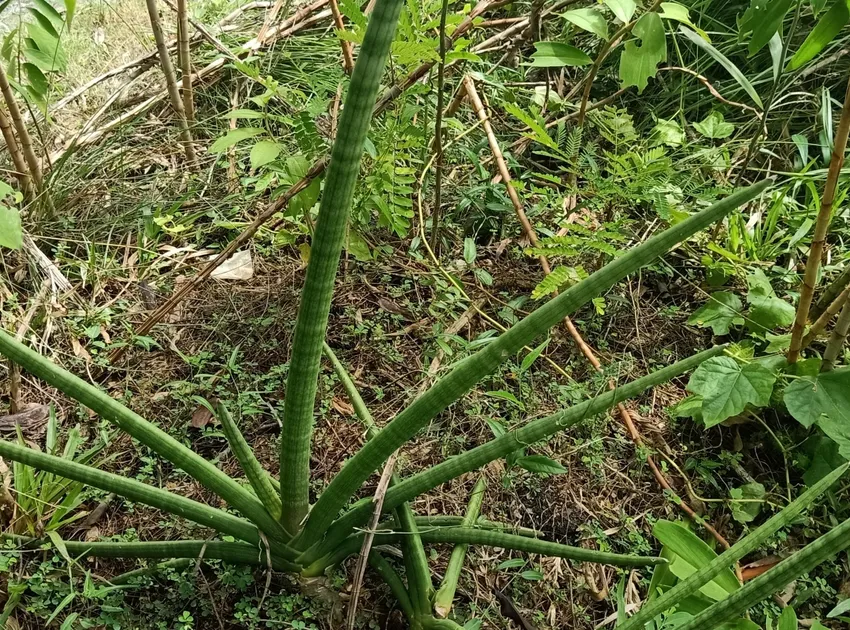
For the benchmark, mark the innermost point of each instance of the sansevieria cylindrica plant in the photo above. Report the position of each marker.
(276, 525)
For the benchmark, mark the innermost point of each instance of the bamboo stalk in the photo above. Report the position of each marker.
(585, 349)
(832, 291)
(347, 51)
(24, 140)
(185, 60)
(21, 170)
(171, 82)
(838, 338)
(810, 276)
(825, 317)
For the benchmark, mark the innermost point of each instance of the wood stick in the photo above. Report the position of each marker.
(185, 61)
(585, 349)
(171, 82)
(315, 171)
(810, 276)
(347, 51)
(24, 140)
(21, 170)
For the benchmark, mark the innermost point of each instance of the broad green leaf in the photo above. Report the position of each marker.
(540, 464)
(532, 575)
(727, 387)
(556, 55)
(532, 356)
(668, 132)
(841, 608)
(739, 624)
(719, 313)
(48, 45)
(824, 32)
(358, 247)
(762, 19)
(787, 620)
(48, 11)
(623, 9)
(36, 78)
(714, 126)
(505, 395)
(513, 563)
(11, 235)
(695, 553)
(768, 311)
(680, 13)
(720, 58)
(639, 62)
(70, 10)
(244, 114)
(233, 137)
(823, 400)
(589, 20)
(470, 252)
(263, 152)
(45, 22)
(747, 511)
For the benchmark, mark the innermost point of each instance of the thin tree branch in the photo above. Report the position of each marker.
(810, 276)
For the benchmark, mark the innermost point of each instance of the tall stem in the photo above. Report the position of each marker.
(171, 81)
(325, 251)
(821, 227)
(23, 134)
(185, 60)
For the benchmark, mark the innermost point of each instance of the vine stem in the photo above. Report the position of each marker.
(583, 346)
(810, 276)
(838, 338)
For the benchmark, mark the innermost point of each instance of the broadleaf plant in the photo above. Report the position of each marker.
(285, 531)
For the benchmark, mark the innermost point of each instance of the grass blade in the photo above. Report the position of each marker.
(466, 374)
(720, 58)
